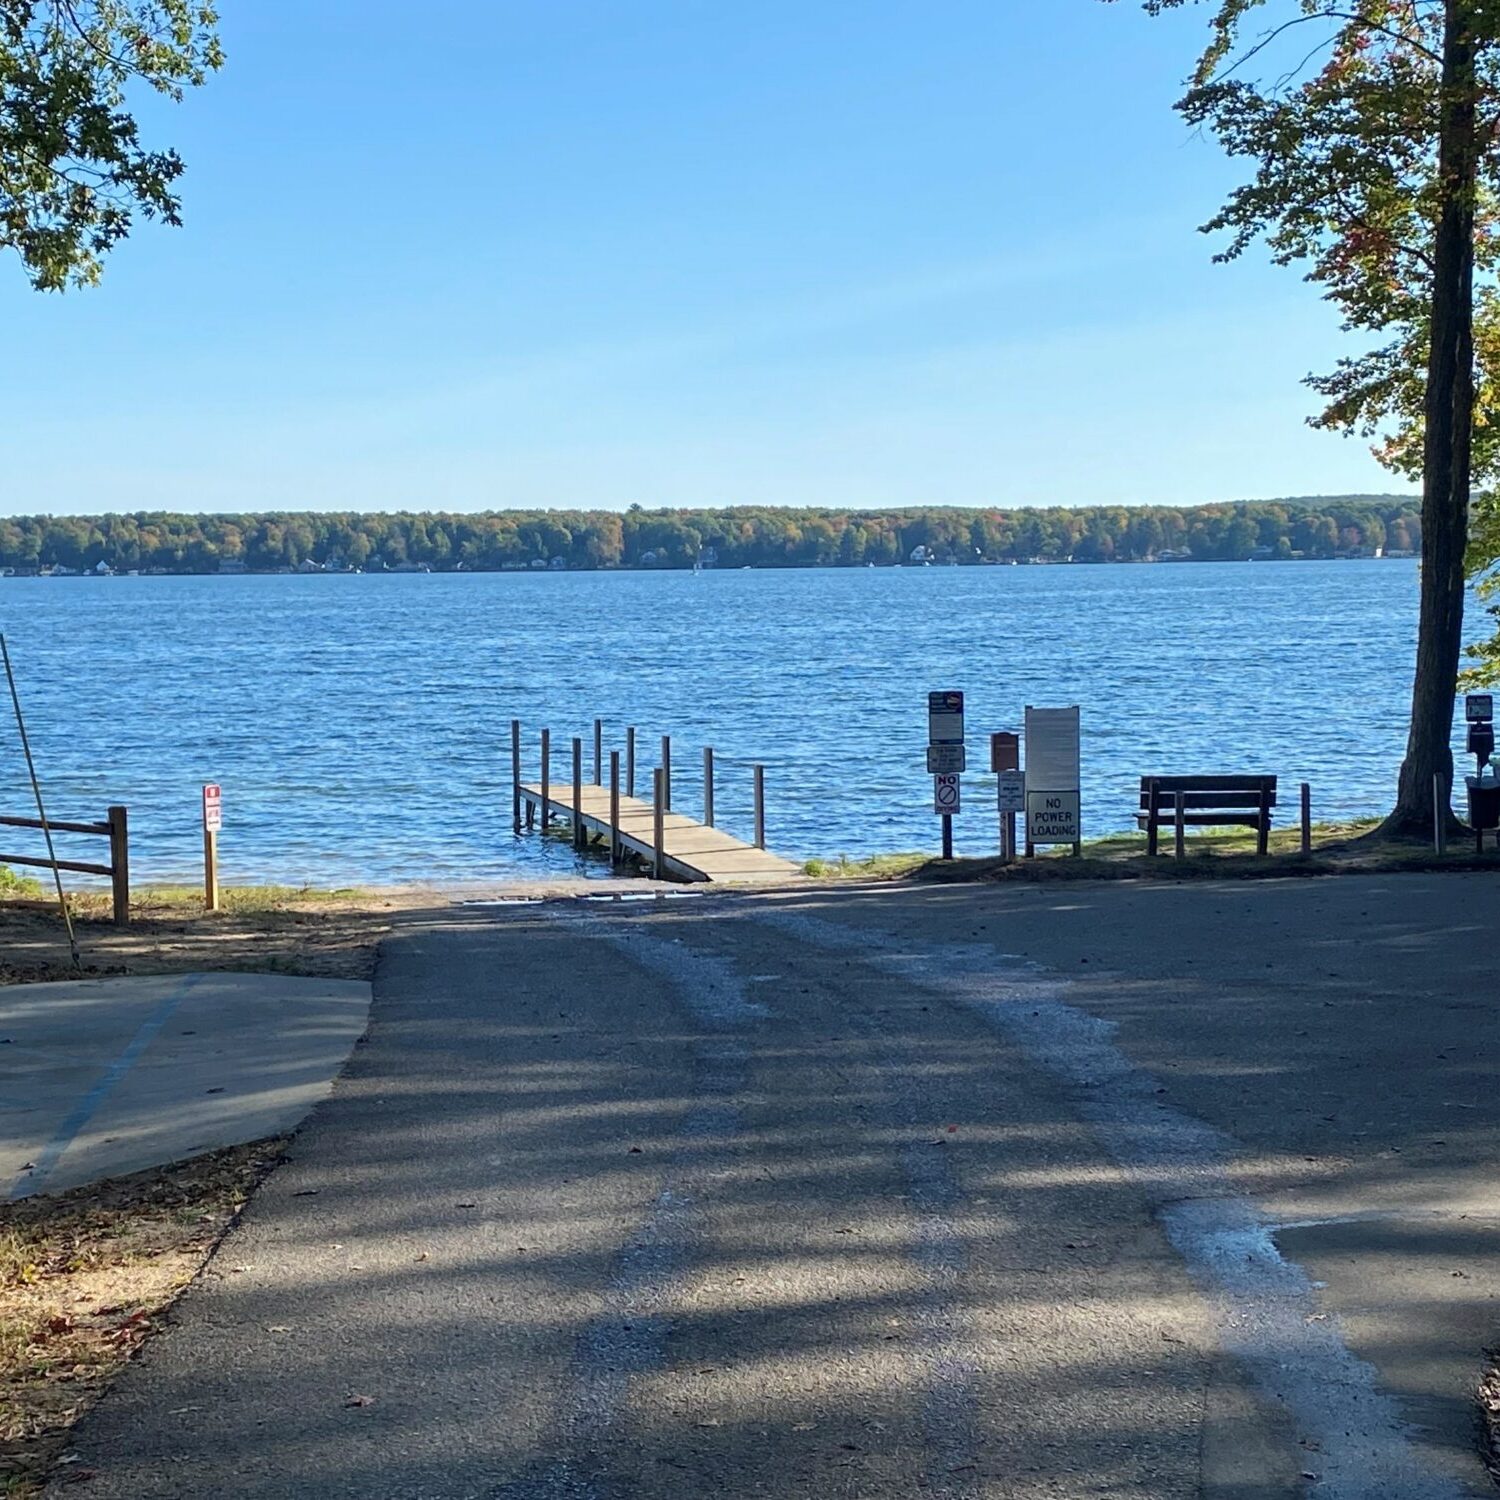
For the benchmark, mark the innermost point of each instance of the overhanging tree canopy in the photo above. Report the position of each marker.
(73, 171)
(1372, 128)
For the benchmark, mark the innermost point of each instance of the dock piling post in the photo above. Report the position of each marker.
(659, 829)
(546, 776)
(598, 752)
(630, 761)
(760, 807)
(577, 792)
(1306, 818)
(614, 809)
(666, 771)
(708, 786)
(515, 773)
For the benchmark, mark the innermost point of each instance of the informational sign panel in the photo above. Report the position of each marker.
(1052, 818)
(945, 795)
(943, 760)
(1053, 800)
(213, 808)
(1479, 708)
(945, 718)
(1012, 786)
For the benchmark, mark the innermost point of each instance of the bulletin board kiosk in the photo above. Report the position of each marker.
(1054, 814)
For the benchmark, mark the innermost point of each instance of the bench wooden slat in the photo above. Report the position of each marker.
(1209, 783)
(1166, 818)
(1248, 800)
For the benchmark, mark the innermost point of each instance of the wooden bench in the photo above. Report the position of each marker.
(1209, 801)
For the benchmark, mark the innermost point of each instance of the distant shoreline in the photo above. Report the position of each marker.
(514, 541)
(529, 569)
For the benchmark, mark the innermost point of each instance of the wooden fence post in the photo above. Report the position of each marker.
(708, 786)
(614, 808)
(515, 773)
(1306, 818)
(119, 863)
(760, 807)
(666, 771)
(659, 830)
(577, 792)
(1180, 831)
(546, 775)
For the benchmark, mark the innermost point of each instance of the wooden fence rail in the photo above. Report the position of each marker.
(115, 828)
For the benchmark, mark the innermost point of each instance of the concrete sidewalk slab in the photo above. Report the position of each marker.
(108, 1076)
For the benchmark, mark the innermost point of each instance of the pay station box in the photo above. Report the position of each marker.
(1484, 788)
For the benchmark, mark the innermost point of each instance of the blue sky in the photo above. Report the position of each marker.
(843, 252)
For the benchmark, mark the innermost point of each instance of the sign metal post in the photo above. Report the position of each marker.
(945, 757)
(213, 821)
(1005, 762)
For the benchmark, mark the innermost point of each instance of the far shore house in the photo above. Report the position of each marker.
(231, 564)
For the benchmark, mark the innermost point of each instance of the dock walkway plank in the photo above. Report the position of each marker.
(693, 851)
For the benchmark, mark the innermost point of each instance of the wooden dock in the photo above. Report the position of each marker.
(690, 851)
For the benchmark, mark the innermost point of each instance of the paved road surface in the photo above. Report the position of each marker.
(1161, 1190)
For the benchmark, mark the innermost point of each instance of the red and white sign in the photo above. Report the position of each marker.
(213, 808)
(945, 795)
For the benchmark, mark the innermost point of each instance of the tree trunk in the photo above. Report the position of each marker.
(1449, 417)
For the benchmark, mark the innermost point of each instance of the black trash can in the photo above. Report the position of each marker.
(1484, 802)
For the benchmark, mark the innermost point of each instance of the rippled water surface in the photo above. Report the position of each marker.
(360, 725)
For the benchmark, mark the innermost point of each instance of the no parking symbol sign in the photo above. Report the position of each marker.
(945, 794)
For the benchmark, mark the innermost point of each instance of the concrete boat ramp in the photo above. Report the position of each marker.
(108, 1076)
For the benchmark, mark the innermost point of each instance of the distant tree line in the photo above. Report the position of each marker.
(762, 537)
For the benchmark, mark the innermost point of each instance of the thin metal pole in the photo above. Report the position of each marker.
(515, 773)
(708, 786)
(630, 761)
(577, 792)
(947, 836)
(598, 752)
(760, 807)
(41, 811)
(1439, 822)
(666, 771)
(1306, 818)
(614, 808)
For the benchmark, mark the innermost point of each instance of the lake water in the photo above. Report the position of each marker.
(360, 725)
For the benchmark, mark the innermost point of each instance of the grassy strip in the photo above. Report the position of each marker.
(85, 1278)
(245, 900)
(1224, 851)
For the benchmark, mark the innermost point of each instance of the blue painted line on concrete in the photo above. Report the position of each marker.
(33, 1178)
